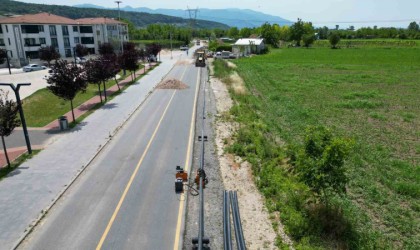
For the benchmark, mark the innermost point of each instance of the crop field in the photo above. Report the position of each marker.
(370, 43)
(369, 95)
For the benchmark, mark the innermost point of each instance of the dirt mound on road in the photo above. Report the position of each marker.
(172, 84)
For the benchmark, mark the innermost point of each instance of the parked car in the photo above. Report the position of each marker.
(80, 60)
(218, 55)
(232, 56)
(151, 58)
(33, 67)
(185, 47)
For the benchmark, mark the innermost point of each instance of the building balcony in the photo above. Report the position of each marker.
(32, 45)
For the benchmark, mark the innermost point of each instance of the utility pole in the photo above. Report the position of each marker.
(192, 13)
(22, 117)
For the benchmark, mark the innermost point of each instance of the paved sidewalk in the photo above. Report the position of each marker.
(30, 190)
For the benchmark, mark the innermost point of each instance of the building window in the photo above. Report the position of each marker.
(65, 30)
(42, 40)
(86, 29)
(2, 42)
(30, 29)
(66, 42)
(87, 40)
(54, 42)
(75, 29)
(76, 40)
(68, 52)
(7, 29)
(30, 42)
(8, 39)
(41, 28)
(1, 30)
(32, 54)
(53, 31)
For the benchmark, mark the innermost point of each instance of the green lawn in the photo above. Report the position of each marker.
(371, 95)
(43, 107)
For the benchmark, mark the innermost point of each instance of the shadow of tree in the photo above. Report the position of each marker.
(330, 223)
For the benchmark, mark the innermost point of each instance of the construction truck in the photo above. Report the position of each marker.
(200, 60)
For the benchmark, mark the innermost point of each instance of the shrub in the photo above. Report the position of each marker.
(320, 162)
(334, 40)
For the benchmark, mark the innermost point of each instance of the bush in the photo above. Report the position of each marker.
(320, 162)
(224, 48)
(334, 40)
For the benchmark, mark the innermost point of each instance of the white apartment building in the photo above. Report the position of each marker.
(22, 36)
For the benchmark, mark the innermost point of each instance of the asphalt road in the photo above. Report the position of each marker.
(126, 198)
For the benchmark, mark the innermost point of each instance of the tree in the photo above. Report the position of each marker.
(320, 163)
(233, 32)
(245, 32)
(413, 26)
(334, 40)
(8, 119)
(308, 39)
(3, 55)
(81, 50)
(153, 49)
(106, 49)
(268, 32)
(129, 59)
(66, 81)
(95, 74)
(48, 54)
(296, 31)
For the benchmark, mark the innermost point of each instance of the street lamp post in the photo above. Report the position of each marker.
(118, 26)
(8, 62)
(22, 117)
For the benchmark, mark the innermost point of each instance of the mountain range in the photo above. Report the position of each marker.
(232, 17)
(9, 7)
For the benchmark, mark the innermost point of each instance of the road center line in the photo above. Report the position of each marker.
(127, 188)
(187, 162)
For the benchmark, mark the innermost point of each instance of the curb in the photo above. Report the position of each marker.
(32, 226)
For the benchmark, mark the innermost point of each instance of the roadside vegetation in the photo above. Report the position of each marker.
(367, 99)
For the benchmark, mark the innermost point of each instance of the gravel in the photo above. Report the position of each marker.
(213, 193)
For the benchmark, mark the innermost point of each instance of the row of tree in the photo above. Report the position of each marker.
(161, 32)
(67, 80)
(299, 32)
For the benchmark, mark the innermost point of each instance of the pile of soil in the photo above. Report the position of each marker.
(172, 84)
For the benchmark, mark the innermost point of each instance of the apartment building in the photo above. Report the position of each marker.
(22, 36)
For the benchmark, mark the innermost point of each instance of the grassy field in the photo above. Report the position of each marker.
(371, 95)
(372, 43)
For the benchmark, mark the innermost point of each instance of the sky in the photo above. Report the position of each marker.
(383, 13)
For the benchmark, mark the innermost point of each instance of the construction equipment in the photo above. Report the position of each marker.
(200, 60)
(180, 177)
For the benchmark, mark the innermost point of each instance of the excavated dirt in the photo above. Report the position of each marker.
(172, 84)
(185, 62)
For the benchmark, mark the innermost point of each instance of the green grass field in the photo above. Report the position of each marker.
(371, 43)
(371, 95)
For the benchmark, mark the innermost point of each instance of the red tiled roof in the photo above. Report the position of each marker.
(98, 20)
(40, 18)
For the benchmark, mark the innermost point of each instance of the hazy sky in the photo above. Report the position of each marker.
(320, 12)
